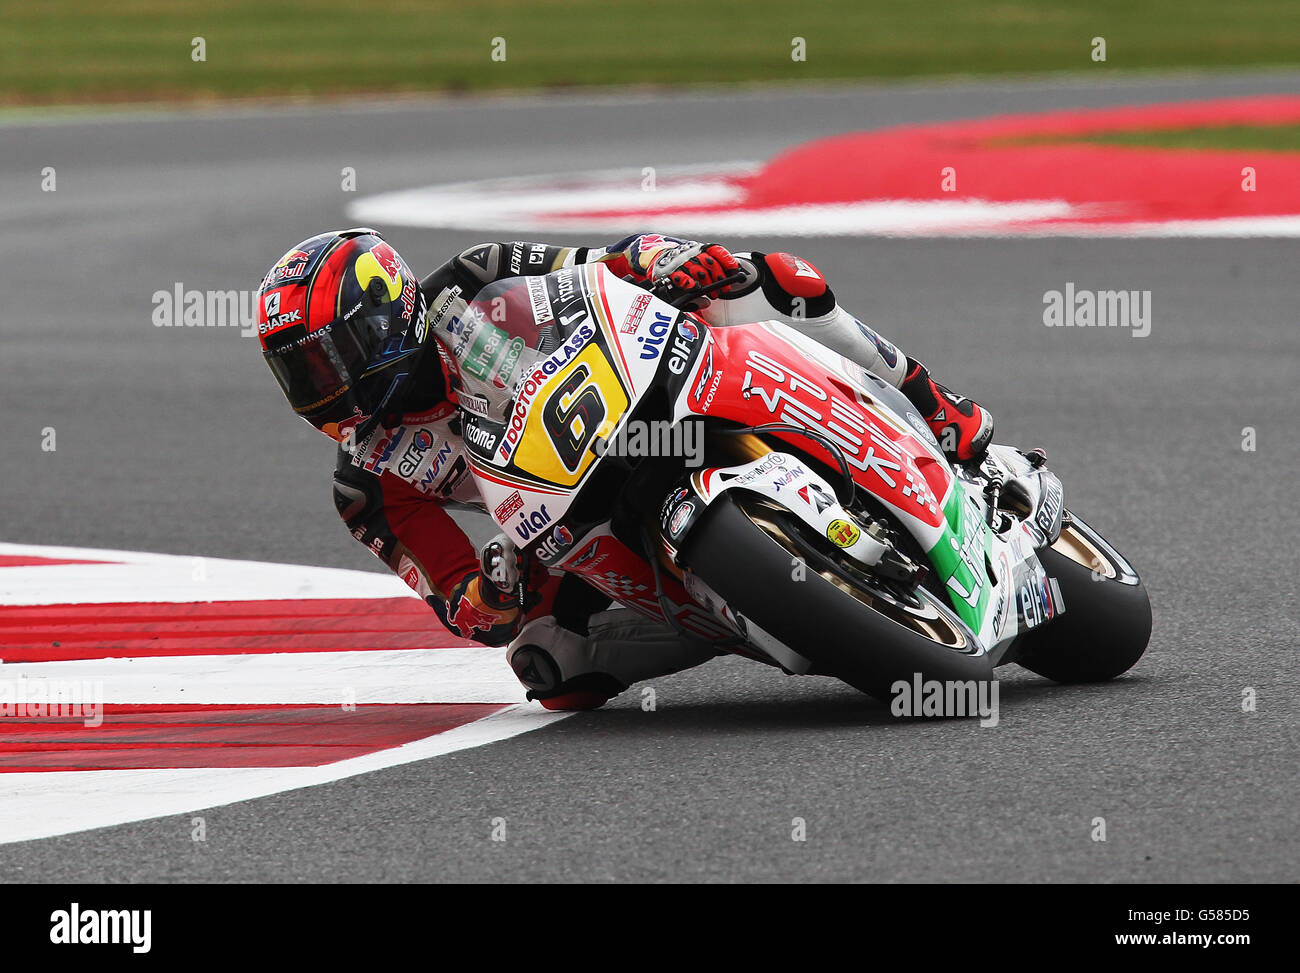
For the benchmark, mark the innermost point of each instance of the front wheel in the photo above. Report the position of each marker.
(1107, 621)
(801, 590)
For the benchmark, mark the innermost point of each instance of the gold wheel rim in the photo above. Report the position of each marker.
(1082, 551)
(932, 625)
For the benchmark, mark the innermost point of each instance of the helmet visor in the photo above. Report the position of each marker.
(318, 370)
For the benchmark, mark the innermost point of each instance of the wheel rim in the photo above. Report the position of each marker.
(1085, 547)
(921, 617)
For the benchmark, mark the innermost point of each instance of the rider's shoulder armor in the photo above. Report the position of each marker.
(474, 268)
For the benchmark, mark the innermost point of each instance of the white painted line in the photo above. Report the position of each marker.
(1227, 227)
(472, 674)
(533, 202)
(709, 200)
(140, 577)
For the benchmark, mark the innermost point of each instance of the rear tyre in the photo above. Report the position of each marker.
(848, 624)
(1107, 620)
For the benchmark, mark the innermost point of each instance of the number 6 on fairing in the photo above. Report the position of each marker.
(573, 415)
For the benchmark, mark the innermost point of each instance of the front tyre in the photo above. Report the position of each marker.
(832, 612)
(1107, 620)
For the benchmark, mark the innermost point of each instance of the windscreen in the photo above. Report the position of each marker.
(510, 326)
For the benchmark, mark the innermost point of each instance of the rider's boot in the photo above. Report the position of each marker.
(963, 427)
(789, 289)
(563, 670)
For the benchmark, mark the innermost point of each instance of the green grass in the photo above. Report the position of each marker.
(1249, 138)
(69, 51)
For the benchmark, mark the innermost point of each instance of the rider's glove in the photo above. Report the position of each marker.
(681, 270)
(499, 567)
(499, 576)
(485, 605)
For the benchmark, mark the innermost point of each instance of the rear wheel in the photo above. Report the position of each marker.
(848, 623)
(1107, 620)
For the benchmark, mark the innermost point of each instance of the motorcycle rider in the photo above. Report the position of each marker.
(336, 316)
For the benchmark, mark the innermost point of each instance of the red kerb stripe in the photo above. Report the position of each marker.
(167, 737)
(46, 633)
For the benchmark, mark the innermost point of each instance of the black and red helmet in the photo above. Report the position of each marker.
(340, 317)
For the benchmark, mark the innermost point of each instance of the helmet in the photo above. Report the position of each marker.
(340, 317)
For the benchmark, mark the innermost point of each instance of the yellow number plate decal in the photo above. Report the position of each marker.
(584, 400)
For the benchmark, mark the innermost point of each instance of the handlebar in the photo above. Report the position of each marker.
(667, 292)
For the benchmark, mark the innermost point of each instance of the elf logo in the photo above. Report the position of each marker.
(116, 926)
(420, 444)
(559, 541)
(679, 354)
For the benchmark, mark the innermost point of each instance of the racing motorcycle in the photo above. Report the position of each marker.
(750, 486)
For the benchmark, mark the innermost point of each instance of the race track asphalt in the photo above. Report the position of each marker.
(176, 440)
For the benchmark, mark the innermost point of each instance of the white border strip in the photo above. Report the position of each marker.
(133, 576)
(684, 200)
(469, 674)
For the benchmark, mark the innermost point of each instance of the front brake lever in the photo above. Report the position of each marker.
(664, 290)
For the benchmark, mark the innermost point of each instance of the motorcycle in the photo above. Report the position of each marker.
(750, 486)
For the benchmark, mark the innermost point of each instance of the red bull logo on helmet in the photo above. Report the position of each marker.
(389, 259)
(292, 266)
(383, 261)
(292, 257)
(295, 265)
